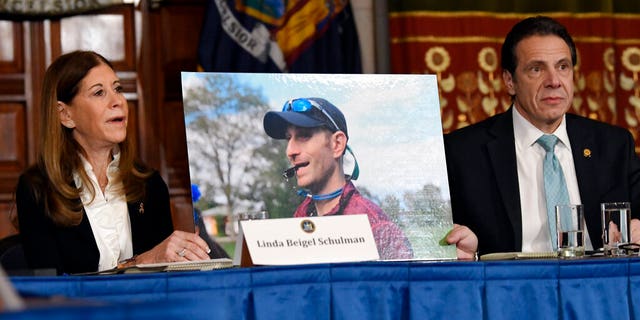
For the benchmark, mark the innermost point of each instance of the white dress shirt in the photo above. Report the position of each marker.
(536, 236)
(108, 215)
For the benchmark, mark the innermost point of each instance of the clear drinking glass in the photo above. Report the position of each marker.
(570, 228)
(616, 233)
(241, 255)
(249, 215)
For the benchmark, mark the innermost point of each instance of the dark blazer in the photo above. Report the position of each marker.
(74, 249)
(483, 177)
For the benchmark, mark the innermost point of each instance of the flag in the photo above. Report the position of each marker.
(302, 36)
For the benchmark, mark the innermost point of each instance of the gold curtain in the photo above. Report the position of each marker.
(463, 50)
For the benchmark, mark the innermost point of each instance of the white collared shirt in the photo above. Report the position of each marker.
(530, 155)
(108, 215)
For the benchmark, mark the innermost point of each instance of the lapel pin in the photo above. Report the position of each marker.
(586, 153)
(141, 208)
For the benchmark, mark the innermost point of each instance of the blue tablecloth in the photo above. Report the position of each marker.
(579, 289)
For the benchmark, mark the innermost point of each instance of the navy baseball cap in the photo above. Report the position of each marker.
(305, 113)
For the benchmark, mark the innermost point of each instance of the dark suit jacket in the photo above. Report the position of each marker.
(74, 249)
(483, 177)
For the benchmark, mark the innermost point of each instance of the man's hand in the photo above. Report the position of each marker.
(635, 231)
(466, 241)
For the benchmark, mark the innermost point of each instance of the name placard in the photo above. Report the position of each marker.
(344, 238)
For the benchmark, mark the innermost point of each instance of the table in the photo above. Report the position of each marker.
(540, 289)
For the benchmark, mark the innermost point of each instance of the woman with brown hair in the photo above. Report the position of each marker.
(87, 204)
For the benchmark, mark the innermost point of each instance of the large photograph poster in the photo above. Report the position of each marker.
(394, 128)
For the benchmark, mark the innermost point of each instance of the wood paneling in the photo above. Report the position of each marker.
(6, 224)
(14, 62)
(172, 45)
(12, 87)
(111, 32)
(14, 131)
(13, 156)
(12, 138)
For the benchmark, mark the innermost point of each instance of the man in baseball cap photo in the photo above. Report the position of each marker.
(317, 136)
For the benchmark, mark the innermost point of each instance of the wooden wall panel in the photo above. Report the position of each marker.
(14, 130)
(13, 156)
(12, 137)
(6, 224)
(179, 25)
(11, 44)
(173, 32)
(12, 87)
(110, 32)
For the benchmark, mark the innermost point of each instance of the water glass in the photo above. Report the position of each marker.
(570, 229)
(258, 215)
(616, 232)
(241, 255)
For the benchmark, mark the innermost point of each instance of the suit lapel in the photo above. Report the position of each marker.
(502, 153)
(138, 227)
(84, 228)
(87, 255)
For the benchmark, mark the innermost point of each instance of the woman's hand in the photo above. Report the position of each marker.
(179, 246)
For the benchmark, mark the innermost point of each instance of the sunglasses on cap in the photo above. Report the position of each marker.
(303, 105)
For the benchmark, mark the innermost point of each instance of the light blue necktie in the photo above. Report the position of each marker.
(555, 188)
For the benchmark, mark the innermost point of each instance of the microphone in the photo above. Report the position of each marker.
(290, 172)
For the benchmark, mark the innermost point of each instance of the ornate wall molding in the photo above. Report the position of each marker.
(21, 9)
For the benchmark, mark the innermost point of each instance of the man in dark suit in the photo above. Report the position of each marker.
(495, 166)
